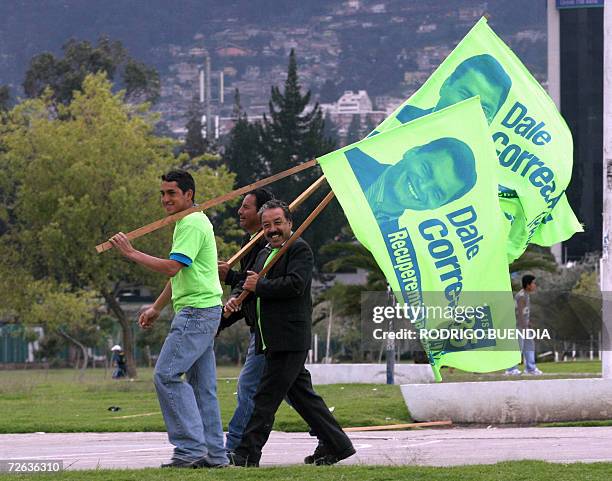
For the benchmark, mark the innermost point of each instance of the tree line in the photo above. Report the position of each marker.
(81, 161)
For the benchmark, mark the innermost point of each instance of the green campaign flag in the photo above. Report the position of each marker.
(422, 198)
(532, 141)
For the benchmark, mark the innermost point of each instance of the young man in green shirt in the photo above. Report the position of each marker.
(190, 409)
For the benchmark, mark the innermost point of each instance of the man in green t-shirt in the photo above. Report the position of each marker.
(190, 409)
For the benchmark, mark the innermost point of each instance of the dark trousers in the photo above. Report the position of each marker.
(285, 375)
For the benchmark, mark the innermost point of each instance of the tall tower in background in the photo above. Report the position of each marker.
(575, 80)
(205, 74)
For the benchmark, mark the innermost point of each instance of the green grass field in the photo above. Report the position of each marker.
(509, 471)
(60, 401)
(57, 401)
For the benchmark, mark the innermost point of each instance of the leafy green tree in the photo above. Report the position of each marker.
(61, 310)
(141, 83)
(338, 303)
(66, 75)
(71, 184)
(352, 255)
(353, 134)
(567, 301)
(535, 257)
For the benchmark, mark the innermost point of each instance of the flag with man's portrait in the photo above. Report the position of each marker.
(532, 141)
(422, 198)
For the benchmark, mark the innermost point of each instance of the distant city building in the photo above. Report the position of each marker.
(353, 103)
(350, 103)
(253, 56)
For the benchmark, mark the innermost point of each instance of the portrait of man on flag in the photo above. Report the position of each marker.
(425, 178)
(480, 75)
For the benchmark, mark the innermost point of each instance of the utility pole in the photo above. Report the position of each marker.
(329, 328)
(390, 342)
(606, 259)
(554, 79)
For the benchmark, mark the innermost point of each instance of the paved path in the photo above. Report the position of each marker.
(432, 447)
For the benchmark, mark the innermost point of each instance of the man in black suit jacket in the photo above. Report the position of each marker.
(248, 215)
(254, 363)
(283, 306)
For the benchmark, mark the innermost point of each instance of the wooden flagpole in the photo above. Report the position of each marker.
(297, 233)
(394, 427)
(292, 207)
(171, 219)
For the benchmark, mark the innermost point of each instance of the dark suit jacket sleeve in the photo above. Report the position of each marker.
(233, 278)
(228, 321)
(235, 316)
(299, 271)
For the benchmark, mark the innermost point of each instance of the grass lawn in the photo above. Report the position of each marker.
(509, 471)
(551, 370)
(57, 401)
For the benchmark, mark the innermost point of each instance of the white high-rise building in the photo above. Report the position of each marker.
(350, 103)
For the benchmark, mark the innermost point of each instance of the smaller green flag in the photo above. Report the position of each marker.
(423, 199)
(532, 142)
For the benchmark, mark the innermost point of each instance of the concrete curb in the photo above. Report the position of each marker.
(511, 401)
(368, 373)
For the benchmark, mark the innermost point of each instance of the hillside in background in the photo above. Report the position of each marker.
(387, 47)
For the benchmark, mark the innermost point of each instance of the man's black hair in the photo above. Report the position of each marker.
(463, 161)
(526, 280)
(183, 179)
(488, 66)
(262, 196)
(276, 204)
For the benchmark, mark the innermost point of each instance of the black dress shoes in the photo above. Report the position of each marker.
(240, 461)
(323, 456)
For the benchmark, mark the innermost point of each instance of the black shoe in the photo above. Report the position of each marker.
(240, 461)
(319, 451)
(205, 463)
(327, 457)
(178, 463)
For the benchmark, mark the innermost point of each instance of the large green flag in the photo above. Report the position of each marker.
(423, 199)
(533, 143)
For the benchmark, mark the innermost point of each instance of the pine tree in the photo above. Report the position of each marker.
(328, 92)
(330, 130)
(370, 125)
(353, 134)
(294, 133)
(195, 144)
(5, 98)
(242, 153)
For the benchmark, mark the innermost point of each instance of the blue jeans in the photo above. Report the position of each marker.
(248, 381)
(190, 409)
(528, 350)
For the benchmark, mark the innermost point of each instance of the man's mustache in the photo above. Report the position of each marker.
(272, 234)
